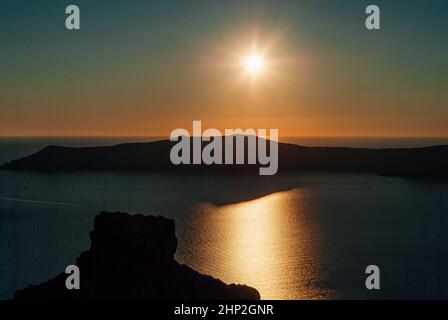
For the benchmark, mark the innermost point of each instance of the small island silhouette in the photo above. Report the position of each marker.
(419, 163)
(131, 257)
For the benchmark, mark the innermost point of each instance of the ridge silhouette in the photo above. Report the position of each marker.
(421, 163)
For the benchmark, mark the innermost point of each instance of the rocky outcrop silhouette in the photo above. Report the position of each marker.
(132, 257)
(422, 163)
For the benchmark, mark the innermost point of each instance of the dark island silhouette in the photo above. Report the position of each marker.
(131, 257)
(421, 163)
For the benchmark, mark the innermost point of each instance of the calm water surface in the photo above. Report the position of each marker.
(291, 236)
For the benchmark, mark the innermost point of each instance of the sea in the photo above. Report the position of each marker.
(291, 236)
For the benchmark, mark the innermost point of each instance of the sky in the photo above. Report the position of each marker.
(145, 68)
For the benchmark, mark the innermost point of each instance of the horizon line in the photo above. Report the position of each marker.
(167, 136)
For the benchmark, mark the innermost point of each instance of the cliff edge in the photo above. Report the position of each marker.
(132, 257)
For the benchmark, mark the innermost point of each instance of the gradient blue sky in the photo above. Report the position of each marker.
(147, 67)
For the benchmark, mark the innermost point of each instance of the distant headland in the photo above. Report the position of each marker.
(419, 163)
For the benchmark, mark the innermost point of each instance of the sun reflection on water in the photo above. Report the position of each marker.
(268, 243)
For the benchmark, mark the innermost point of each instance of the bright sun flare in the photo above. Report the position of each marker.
(254, 64)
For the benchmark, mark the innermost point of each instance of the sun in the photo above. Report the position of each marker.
(254, 64)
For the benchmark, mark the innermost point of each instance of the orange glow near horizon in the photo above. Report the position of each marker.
(294, 66)
(243, 80)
